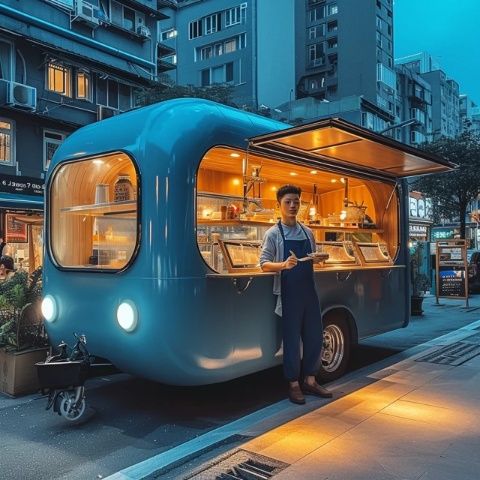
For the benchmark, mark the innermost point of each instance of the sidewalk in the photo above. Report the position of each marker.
(416, 419)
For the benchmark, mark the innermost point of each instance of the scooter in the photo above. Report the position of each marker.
(63, 375)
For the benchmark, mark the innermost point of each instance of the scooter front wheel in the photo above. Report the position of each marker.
(70, 409)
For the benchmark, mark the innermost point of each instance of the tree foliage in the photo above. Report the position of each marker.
(218, 93)
(451, 192)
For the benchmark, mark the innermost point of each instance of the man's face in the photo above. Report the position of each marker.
(289, 205)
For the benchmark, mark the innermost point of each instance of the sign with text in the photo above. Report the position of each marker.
(15, 232)
(24, 185)
(451, 269)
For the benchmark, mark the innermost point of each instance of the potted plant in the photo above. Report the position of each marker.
(22, 336)
(420, 282)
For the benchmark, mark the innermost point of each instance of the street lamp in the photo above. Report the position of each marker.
(399, 125)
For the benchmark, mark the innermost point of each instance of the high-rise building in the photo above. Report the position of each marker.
(413, 107)
(63, 64)
(345, 50)
(469, 114)
(246, 44)
(445, 93)
(321, 51)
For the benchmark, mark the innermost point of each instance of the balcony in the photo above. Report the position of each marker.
(386, 76)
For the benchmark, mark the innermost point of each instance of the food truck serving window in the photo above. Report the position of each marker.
(236, 204)
(94, 213)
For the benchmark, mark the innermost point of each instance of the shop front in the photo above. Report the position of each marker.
(21, 220)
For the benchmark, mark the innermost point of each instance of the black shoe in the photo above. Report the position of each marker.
(295, 395)
(316, 389)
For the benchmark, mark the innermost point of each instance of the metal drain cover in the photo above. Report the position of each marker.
(454, 354)
(241, 465)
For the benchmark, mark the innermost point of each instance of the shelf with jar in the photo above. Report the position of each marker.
(126, 209)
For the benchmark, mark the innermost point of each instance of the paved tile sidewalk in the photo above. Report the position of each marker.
(418, 420)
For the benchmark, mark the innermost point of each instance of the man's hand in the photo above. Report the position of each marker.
(290, 262)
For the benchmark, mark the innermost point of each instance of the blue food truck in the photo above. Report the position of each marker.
(154, 221)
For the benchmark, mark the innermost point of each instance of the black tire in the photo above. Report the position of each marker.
(336, 349)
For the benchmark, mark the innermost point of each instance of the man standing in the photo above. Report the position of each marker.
(297, 302)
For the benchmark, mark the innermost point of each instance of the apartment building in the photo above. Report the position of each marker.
(63, 64)
(469, 114)
(445, 94)
(413, 107)
(246, 44)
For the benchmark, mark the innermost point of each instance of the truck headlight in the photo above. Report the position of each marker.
(127, 315)
(49, 308)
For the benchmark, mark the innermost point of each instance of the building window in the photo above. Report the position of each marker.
(59, 79)
(230, 46)
(195, 29)
(236, 15)
(6, 142)
(51, 141)
(168, 34)
(217, 49)
(332, 42)
(84, 89)
(206, 52)
(332, 9)
(6, 60)
(205, 77)
(63, 3)
(212, 23)
(316, 32)
(332, 26)
(316, 13)
(125, 17)
(107, 93)
(316, 54)
(217, 75)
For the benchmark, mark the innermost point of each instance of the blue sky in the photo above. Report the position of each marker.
(449, 30)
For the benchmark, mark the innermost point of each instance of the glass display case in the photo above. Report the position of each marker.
(373, 253)
(339, 253)
(94, 213)
(241, 256)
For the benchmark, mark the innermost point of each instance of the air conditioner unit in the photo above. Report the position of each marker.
(104, 112)
(87, 13)
(143, 31)
(18, 95)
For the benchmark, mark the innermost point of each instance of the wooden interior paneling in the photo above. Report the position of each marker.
(75, 185)
(221, 173)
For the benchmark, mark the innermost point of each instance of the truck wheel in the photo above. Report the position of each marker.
(336, 349)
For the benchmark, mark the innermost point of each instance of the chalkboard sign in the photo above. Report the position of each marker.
(451, 269)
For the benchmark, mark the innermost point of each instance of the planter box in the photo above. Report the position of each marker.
(18, 374)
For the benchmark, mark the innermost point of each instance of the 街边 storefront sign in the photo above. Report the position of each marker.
(451, 269)
(23, 185)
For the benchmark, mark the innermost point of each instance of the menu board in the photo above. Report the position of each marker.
(452, 269)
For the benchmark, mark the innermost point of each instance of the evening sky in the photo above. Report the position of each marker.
(449, 31)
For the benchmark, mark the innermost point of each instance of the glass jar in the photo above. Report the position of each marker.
(123, 190)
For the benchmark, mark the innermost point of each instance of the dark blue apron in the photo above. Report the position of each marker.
(301, 316)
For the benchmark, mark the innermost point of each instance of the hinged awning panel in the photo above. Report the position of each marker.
(351, 146)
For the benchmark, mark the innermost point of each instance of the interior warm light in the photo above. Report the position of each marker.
(343, 215)
(235, 155)
(342, 180)
(313, 172)
(312, 211)
(274, 189)
(333, 180)
(206, 212)
(236, 181)
(293, 174)
(98, 162)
